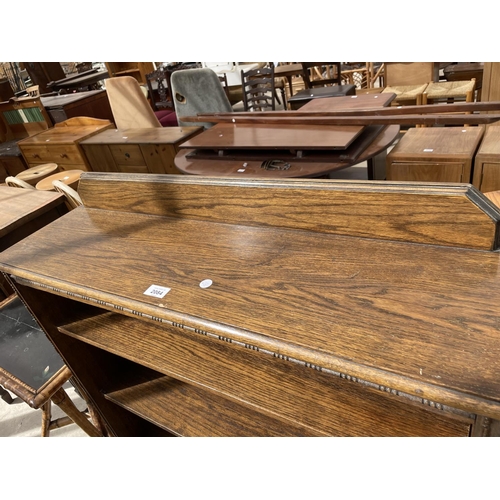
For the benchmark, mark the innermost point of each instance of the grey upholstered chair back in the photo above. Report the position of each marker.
(198, 91)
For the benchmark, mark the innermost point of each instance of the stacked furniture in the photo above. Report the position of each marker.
(285, 149)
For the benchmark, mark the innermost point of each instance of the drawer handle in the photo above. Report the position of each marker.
(127, 155)
(34, 155)
(63, 155)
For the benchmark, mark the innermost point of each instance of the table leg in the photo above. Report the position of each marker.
(61, 399)
(46, 418)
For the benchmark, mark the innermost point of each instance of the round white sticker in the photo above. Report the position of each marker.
(206, 283)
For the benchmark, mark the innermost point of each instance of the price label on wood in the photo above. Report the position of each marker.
(157, 291)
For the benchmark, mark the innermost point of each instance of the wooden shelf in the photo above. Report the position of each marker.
(291, 391)
(186, 410)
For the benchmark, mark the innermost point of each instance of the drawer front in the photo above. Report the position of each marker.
(60, 154)
(426, 172)
(127, 155)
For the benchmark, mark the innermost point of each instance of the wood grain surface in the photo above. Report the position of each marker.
(312, 318)
(412, 317)
(441, 214)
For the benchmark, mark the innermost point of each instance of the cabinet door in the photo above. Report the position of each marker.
(426, 172)
(100, 158)
(487, 177)
(160, 158)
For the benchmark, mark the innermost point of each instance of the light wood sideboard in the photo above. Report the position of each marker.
(151, 150)
(219, 307)
(434, 154)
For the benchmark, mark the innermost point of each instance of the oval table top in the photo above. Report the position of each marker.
(34, 174)
(69, 177)
(253, 168)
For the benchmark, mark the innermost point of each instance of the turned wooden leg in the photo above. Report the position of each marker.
(61, 399)
(46, 418)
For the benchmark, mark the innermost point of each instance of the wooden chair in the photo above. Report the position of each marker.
(161, 97)
(358, 74)
(321, 74)
(129, 105)
(286, 72)
(72, 197)
(259, 92)
(410, 73)
(279, 84)
(15, 182)
(409, 80)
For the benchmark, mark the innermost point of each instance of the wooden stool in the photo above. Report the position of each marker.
(32, 369)
(34, 174)
(70, 177)
(407, 94)
(449, 91)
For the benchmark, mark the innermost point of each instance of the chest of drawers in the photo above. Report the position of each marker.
(149, 150)
(61, 144)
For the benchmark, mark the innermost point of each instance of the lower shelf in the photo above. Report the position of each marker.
(186, 410)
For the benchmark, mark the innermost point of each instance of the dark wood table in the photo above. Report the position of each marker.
(94, 104)
(240, 150)
(85, 80)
